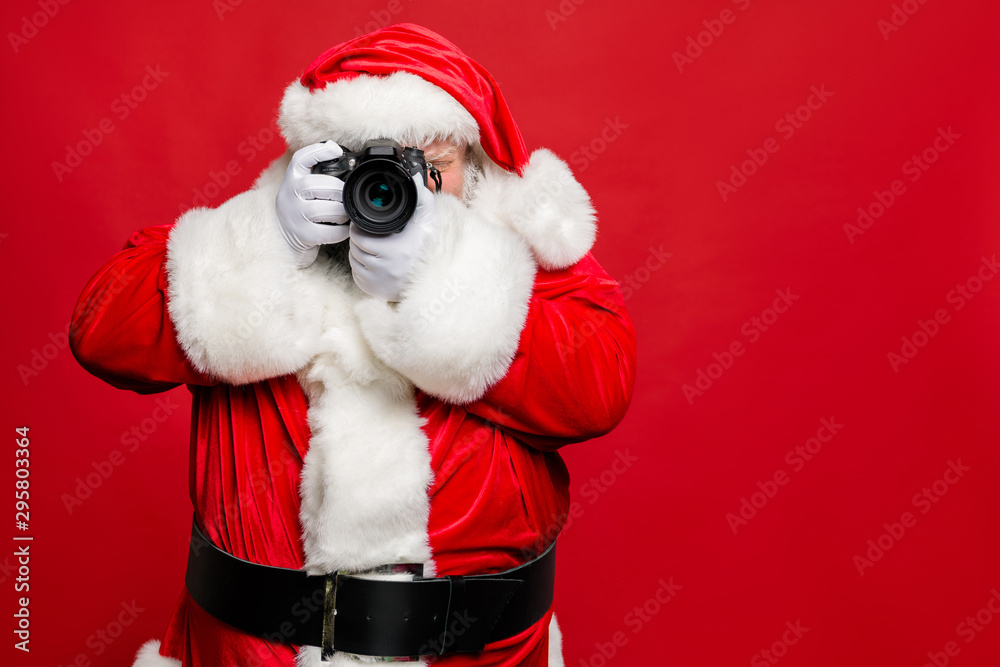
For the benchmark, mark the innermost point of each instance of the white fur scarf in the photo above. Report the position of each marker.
(243, 313)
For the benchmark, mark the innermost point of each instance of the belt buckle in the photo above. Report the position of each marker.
(330, 613)
(330, 603)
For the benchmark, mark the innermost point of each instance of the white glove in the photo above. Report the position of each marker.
(381, 263)
(310, 212)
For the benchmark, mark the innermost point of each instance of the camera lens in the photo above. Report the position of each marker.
(379, 196)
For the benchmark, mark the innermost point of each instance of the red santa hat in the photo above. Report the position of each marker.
(403, 82)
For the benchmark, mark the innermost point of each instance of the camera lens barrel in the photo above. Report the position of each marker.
(379, 195)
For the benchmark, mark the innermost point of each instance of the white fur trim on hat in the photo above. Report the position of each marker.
(399, 106)
(149, 656)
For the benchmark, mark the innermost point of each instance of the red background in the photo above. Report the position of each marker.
(655, 186)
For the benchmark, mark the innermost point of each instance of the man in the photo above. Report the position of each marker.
(363, 400)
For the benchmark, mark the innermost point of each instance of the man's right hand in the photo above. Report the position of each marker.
(309, 206)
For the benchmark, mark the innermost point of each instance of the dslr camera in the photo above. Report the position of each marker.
(379, 193)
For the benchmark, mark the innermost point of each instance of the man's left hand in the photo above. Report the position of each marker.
(382, 263)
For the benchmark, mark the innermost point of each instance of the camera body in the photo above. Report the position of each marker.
(379, 193)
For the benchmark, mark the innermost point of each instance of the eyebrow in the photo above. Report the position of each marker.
(436, 156)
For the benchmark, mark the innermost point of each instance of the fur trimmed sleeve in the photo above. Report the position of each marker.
(456, 328)
(462, 318)
(120, 331)
(242, 309)
(574, 371)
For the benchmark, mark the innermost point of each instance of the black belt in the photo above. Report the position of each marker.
(343, 612)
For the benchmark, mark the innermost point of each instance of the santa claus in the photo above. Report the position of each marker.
(374, 408)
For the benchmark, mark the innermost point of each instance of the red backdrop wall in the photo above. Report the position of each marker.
(800, 200)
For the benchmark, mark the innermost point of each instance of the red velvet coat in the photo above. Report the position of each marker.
(500, 489)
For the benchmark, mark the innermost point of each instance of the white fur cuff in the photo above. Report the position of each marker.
(242, 309)
(457, 327)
